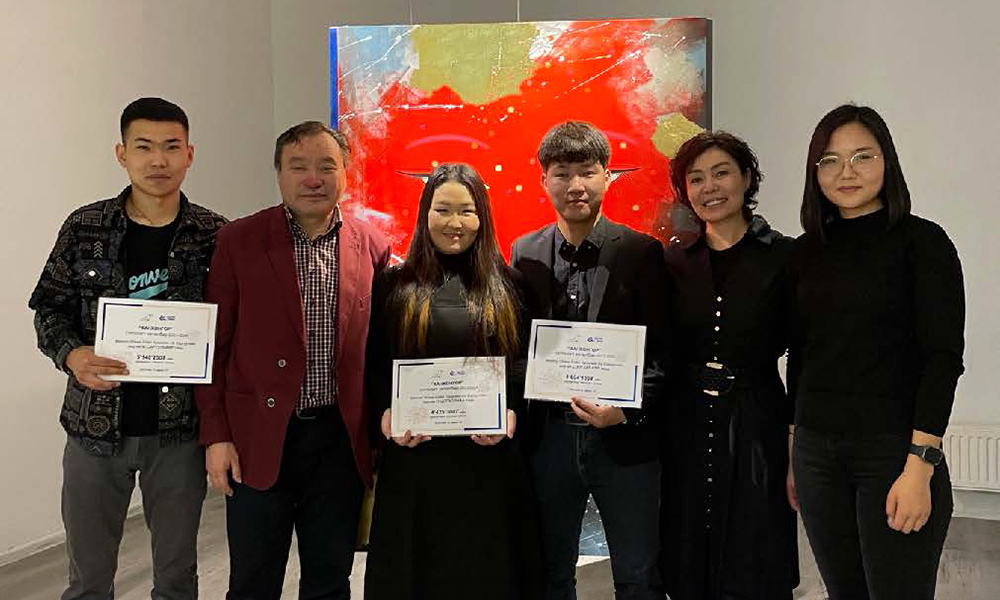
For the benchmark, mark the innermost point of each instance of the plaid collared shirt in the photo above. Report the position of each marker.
(319, 277)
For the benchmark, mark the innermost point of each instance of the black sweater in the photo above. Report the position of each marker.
(878, 324)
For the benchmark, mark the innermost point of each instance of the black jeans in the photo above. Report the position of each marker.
(842, 483)
(570, 464)
(318, 493)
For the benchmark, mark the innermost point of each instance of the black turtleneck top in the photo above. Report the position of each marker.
(877, 327)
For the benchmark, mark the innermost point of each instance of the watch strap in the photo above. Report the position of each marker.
(928, 454)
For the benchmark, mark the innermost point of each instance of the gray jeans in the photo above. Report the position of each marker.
(95, 499)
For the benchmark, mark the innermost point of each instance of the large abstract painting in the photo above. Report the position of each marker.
(411, 97)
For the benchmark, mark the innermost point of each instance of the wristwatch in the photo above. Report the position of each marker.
(928, 454)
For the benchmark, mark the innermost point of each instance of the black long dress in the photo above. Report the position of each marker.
(452, 519)
(727, 525)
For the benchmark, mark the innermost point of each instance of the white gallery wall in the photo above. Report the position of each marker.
(68, 69)
(247, 69)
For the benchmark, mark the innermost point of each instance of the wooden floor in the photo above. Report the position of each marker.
(970, 567)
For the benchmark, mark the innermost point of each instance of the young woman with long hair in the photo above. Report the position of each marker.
(452, 516)
(876, 353)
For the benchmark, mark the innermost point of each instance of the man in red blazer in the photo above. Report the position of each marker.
(284, 420)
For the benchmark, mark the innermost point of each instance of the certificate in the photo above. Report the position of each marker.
(449, 396)
(599, 362)
(159, 341)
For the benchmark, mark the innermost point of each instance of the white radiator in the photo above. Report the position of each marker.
(973, 453)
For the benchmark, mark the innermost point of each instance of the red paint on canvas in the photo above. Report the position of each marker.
(591, 82)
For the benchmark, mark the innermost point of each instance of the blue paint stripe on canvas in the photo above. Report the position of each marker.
(333, 78)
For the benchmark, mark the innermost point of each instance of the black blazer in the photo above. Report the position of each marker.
(630, 288)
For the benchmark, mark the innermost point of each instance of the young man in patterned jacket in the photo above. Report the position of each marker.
(149, 242)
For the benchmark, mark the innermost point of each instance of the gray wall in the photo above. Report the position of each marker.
(69, 67)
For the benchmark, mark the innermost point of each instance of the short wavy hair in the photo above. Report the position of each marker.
(732, 145)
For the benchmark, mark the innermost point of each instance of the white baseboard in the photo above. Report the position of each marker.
(975, 504)
(50, 541)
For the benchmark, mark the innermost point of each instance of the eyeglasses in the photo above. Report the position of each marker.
(862, 162)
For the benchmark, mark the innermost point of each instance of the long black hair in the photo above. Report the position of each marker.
(817, 211)
(490, 296)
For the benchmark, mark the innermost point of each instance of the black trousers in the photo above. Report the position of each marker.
(318, 494)
(842, 484)
(572, 463)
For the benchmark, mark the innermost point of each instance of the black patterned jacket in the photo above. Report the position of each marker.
(85, 265)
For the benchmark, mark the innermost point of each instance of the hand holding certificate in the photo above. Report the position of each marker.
(597, 361)
(449, 396)
(160, 341)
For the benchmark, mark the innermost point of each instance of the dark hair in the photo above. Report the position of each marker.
(817, 210)
(735, 147)
(295, 134)
(153, 109)
(574, 142)
(491, 299)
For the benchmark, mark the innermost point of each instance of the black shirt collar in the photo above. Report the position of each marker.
(598, 233)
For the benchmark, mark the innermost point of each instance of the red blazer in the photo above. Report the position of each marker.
(260, 350)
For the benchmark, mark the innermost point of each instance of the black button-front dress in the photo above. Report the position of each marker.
(727, 526)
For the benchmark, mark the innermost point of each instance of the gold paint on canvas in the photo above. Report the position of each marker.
(671, 132)
(480, 63)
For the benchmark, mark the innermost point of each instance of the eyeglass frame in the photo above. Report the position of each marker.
(850, 160)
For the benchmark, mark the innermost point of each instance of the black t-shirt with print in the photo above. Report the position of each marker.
(146, 250)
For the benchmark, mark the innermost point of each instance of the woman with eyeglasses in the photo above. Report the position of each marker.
(727, 523)
(452, 516)
(876, 353)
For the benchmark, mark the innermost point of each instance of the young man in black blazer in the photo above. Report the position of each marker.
(585, 267)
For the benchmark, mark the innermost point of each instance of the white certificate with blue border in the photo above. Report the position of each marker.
(160, 341)
(449, 396)
(599, 362)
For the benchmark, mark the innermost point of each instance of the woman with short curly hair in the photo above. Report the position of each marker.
(728, 528)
